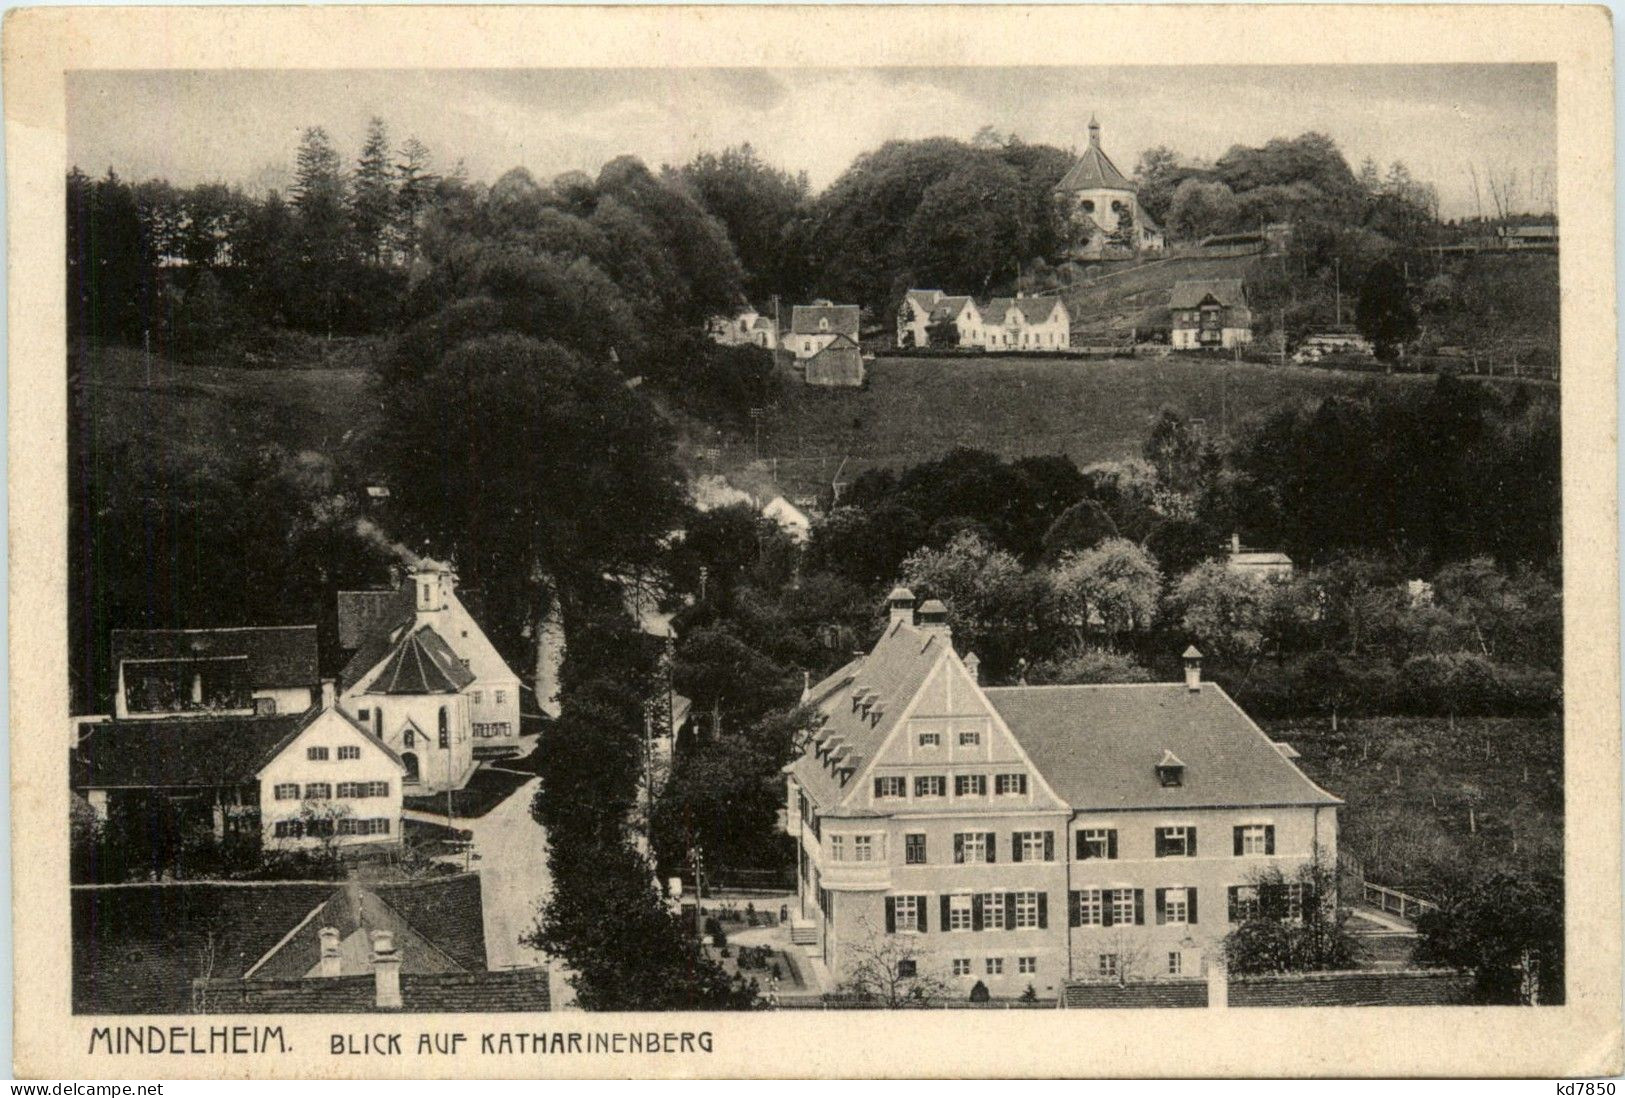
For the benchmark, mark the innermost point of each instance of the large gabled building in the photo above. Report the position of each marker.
(1029, 835)
(1100, 202)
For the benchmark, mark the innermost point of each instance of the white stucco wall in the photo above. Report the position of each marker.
(293, 766)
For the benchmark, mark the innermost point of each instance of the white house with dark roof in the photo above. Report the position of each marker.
(1209, 314)
(373, 624)
(746, 327)
(814, 327)
(1097, 196)
(163, 673)
(1031, 835)
(1025, 323)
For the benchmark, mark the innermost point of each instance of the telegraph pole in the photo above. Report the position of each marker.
(1337, 277)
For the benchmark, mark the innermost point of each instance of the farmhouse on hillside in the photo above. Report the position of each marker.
(925, 310)
(1026, 835)
(747, 327)
(1026, 323)
(1102, 206)
(163, 673)
(814, 327)
(1210, 313)
(425, 637)
(301, 779)
(1264, 564)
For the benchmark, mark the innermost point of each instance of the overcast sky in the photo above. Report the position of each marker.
(242, 127)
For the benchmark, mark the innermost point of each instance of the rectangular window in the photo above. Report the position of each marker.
(287, 791)
(906, 968)
(970, 785)
(1176, 842)
(961, 966)
(891, 787)
(1026, 910)
(1175, 907)
(1006, 784)
(969, 739)
(973, 847)
(349, 789)
(837, 848)
(1106, 965)
(1088, 908)
(316, 754)
(907, 912)
(863, 848)
(995, 966)
(959, 912)
(1176, 962)
(1243, 903)
(914, 849)
(349, 752)
(501, 696)
(1253, 839)
(1122, 906)
(290, 829)
(318, 791)
(930, 739)
(1027, 965)
(363, 714)
(347, 826)
(1033, 846)
(993, 908)
(934, 785)
(1097, 842)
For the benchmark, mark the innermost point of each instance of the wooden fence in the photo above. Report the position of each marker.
(1395, 902)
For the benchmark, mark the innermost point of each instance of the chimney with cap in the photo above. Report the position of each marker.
(386, 970)
(933, 620)
(900, 606)
(973, 664)
(329, 691)
(331, 963)
(1193, 669)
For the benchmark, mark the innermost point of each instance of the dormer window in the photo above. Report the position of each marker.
(1170, 771)
(823, 324)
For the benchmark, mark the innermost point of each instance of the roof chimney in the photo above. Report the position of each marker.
(330, 964)
(386, 970)
(973, 664)
(328, 691)
(1193, 669)
(900, 604)
(933, 620)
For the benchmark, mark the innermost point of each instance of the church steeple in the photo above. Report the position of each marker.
(1094, 132)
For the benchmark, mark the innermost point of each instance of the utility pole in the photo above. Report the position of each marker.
(1337, 276)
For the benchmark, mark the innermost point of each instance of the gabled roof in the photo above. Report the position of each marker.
(1037, 309)
(185, 753)
(1259, 556)
(1095, 171)
(421, 663)
(893, 673)
(1098, 747)
(273, 655)
(1190, 294)
(924, 300)
(949, 308)
(311, 717)
(807, 319)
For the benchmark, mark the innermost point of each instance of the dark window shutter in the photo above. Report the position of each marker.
(1162, 849)
(1015, 846)
(1021, 782)
(877, 787)
(1269, 838)
(992, 846)
(946, 922)
(1162, 911)
(1074, 909)
(1043, 911)
(1190, 842)
(891, 915)
(1236, 834)
(1083, 848)
(1107, 897)
(925, 920)
(1232, 892)
(959, 849)
(1049, 846)
(1190, 905)
(1139, 907)
(1111, 844)
(976, 911)
(1009, 910)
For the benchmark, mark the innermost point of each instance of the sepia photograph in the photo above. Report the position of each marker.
(985, 538)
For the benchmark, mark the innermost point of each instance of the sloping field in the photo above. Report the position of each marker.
(914, 409)
(1134, 296)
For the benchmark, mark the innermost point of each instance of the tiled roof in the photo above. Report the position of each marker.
(422, 663)
(365, 615)
(806, 319)
(1094, 171)
(949, 308)
(1098, 747)
(1259, 556)
(841, 359)
(1191, 293)
(137, 949)
(275, 655)
(184, 753)
(1036, 309)
(925, 299)
(894, 672)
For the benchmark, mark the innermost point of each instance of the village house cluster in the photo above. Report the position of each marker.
(236, 728)
(1033, 835)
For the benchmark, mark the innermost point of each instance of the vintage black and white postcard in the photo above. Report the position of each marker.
(666, 541)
